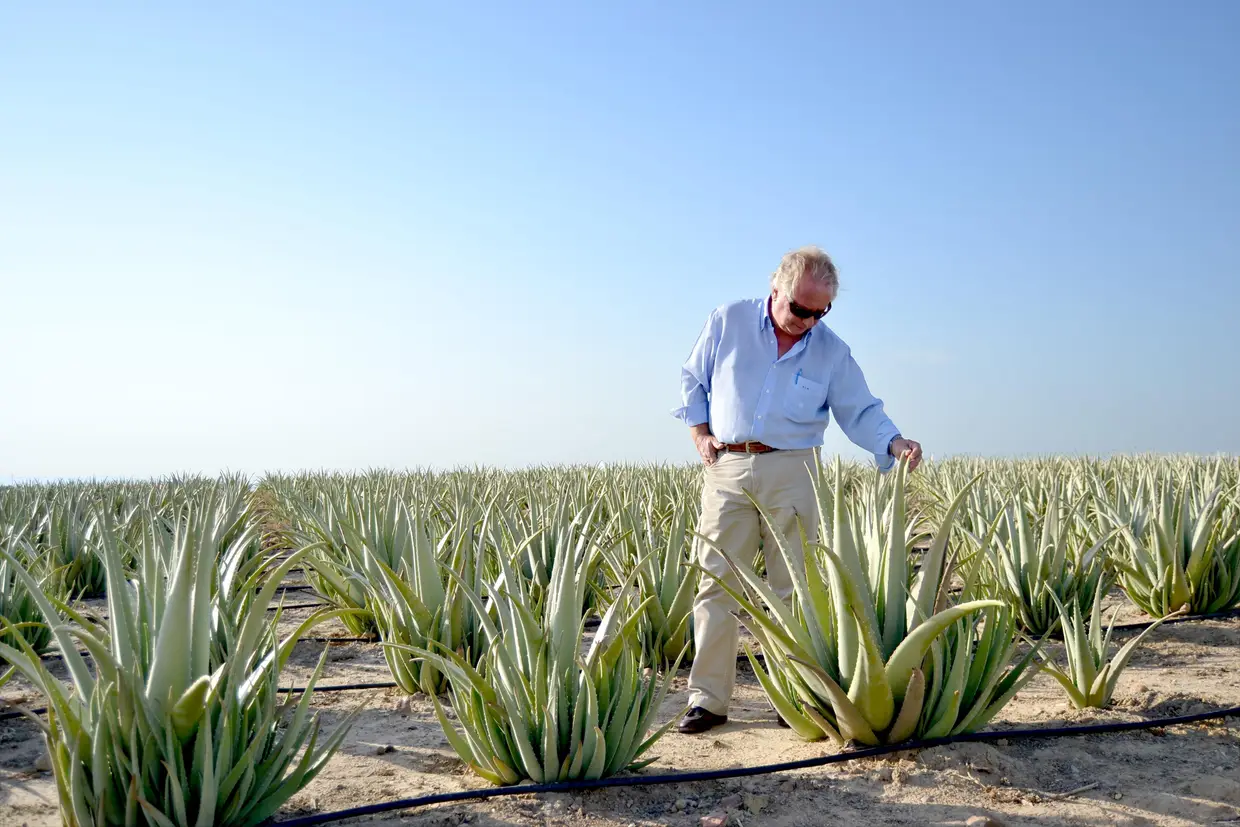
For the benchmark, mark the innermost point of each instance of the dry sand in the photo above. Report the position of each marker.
(1179, 776)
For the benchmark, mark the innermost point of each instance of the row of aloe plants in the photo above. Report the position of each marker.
(1166, 531)
(475, 584)
(1022, 564)
(174, 716)
(490, 603)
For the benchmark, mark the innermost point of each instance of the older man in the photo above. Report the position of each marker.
(757, 391)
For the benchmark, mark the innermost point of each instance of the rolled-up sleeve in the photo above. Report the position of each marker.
(695, 375)
(859, 413)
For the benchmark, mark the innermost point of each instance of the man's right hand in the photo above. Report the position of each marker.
(708, 447)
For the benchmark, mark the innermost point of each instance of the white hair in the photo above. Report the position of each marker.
(807, 262)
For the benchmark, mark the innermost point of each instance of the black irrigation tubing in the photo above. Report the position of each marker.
(290, 690)
(593, 622)
(1057, 634)
(1184, 619)
(344, 687)
(761, 769)
(740, 658)
(86, 652)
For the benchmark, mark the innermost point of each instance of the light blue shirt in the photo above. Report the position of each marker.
(734, 380)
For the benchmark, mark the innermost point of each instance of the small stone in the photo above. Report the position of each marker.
(680, 804)
(556, 801)
(43, 763)
(884, 774)
(385, 749)
(755, 803)
(1117, 796)
(731, 802)
(1003, 742)
(715, 819)
(788, 787)
(983, 821)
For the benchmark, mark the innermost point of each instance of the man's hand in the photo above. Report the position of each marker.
(901, 446)
(707, 446)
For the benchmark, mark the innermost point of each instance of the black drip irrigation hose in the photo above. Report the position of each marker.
(1124, 627)
(349, 687)
(308, 639)
(288, 690)
(1121, 627)
(739, 772)
(342, 687)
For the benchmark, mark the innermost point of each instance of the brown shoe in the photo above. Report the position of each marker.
(699, 719)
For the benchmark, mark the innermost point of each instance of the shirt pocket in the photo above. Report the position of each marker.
(804, 398)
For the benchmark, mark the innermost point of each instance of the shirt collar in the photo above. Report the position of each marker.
(764, 318)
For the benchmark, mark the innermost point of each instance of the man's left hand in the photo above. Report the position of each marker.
(900, 447)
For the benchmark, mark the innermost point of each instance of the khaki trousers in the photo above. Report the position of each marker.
(780, 481)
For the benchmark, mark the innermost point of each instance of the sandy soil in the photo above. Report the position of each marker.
(1179, 776)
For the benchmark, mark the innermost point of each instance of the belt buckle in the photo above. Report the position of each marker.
(748, 449)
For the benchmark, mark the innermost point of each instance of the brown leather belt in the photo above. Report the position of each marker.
(748, 447)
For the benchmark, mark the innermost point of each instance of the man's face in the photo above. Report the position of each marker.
(807, 295)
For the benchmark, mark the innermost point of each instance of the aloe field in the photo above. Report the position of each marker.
(233, 651)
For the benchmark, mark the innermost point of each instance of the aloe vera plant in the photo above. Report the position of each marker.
(334, 524)
(17, 606)
(848, 658)
(658, 551)
(536, 707)
(1042, 554)
(415, 602)
(1183, 547)
(972, 671)
(70, 538)
(1090, 679)
(162, 732)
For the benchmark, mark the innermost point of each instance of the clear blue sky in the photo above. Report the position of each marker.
(351, 235)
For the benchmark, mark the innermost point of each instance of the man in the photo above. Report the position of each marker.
(757, 391)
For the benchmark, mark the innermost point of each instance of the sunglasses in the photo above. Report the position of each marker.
(803, 312)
